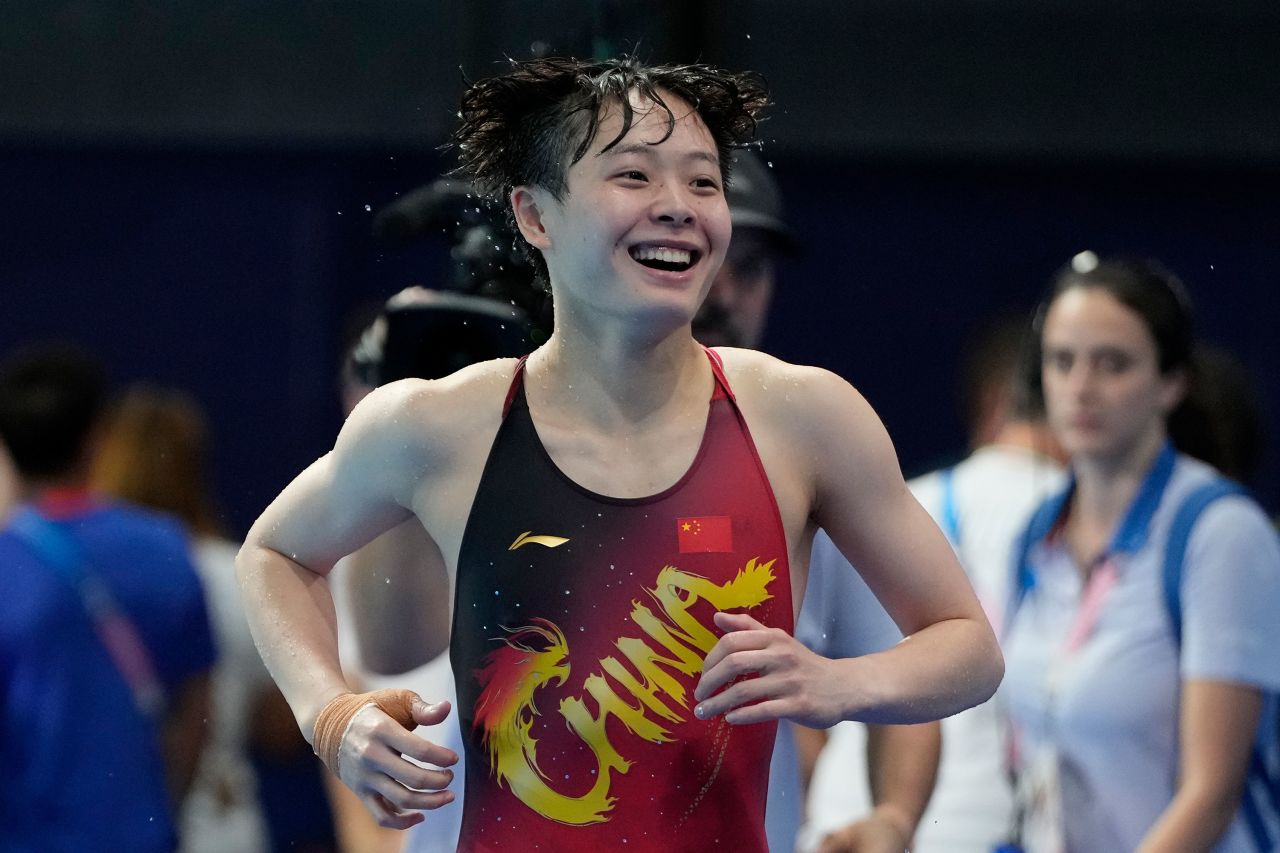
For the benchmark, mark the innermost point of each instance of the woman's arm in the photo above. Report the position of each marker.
(1219, 723)
(360, 489)
(902, 765)
(949, 660)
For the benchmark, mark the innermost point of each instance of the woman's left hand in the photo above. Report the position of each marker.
(766, 674)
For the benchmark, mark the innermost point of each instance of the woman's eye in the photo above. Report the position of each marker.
(706, 183)
(1059, 361)
(633, 175)
(1114, 362)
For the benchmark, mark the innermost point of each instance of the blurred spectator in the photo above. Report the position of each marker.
(105, 644)
(154, 453)
(982, 504)
(737, 306)
(1141, 652)
(839, 616)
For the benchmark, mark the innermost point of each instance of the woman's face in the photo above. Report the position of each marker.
(1104, 392)
(643, 226)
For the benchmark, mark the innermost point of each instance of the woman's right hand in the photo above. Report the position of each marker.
(373, 752)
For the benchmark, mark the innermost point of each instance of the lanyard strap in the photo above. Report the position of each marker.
(54, 547)
(1101, 581)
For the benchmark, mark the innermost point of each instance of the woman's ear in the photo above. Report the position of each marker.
(527, 204)
(1175, 385)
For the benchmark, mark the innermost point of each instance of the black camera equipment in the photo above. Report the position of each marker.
(487, 306)
(484, 258)
(428, 334)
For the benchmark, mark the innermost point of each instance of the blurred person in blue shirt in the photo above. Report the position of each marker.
(105, 645)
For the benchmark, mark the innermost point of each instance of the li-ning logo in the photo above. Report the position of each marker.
(537, 655)
(546, 541)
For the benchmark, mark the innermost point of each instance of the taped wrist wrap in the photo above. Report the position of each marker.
(335, 718)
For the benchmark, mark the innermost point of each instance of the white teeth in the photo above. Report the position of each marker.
(669, 256)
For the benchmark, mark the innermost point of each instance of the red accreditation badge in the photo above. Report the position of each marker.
(705, 534)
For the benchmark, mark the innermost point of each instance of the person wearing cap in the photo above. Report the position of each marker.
(737, 306)
(840, 617)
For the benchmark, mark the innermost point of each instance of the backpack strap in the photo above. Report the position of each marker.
(1175, 551)
(1038, 527)
(58, 551)
(1261, 785)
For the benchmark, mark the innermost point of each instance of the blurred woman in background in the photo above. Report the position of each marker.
(1136, 714)
(153, 454)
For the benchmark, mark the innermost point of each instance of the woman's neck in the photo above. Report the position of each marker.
(1105, 488)
(615, 380)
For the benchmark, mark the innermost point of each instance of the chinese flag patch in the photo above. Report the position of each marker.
(705, 534)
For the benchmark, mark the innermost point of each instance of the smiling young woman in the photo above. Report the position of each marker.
(625, 554)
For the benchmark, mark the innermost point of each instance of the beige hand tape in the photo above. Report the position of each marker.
(335, 718)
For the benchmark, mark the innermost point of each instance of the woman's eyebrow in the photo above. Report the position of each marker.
(646, 149)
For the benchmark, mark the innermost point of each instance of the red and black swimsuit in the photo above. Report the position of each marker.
(580, 626)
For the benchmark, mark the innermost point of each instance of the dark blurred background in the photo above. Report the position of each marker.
(188, 188)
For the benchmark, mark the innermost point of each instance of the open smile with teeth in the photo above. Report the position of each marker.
(665, 258)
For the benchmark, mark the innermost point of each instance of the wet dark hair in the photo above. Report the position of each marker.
(51, 398)
(528, 126)
(1148, 289)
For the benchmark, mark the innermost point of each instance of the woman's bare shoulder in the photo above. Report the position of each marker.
(812, 412)
(765, 382)
(435, 416)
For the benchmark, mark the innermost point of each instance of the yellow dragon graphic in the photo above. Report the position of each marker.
(536, 655)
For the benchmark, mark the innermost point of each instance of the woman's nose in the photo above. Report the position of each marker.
(672, 205)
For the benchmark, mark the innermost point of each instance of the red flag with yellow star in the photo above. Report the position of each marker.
(705, 534)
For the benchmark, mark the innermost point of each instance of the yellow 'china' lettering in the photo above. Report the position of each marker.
(511, 675)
